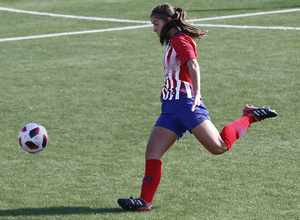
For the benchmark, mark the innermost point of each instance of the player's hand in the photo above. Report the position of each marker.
(197, 102)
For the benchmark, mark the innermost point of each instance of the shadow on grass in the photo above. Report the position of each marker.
(62, 210)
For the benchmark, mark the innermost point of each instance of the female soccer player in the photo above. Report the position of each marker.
(182, 107)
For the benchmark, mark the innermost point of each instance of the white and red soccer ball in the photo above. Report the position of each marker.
(33, 138)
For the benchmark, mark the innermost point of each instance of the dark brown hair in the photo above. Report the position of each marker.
(175, 17)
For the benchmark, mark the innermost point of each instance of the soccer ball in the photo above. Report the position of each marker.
(33, 138)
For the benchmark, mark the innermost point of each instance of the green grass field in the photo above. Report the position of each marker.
(97, 94)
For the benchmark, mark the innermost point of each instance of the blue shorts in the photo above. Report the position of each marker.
(177, 116)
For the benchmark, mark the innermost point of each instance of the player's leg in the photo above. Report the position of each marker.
(217, 143)
(209, 137)
(160, 141)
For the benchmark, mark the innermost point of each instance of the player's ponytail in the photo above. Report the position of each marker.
(179, 14)
(175, 17)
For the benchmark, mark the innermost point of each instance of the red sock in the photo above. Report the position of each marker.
(151, 179)
(236, 129)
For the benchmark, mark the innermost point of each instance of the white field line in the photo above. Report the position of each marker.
(248, 27)
(141, 26)
(143, 22)
(245, 15)
(75, 33)
(136, 27)
(73, 16)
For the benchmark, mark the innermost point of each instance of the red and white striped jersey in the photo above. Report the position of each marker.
(178, 83)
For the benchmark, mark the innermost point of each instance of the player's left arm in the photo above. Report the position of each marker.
(194, 71)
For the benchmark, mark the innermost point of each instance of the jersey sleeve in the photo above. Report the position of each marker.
(184, 47)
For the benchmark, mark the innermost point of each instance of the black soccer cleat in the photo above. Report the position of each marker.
(135, 204)
(259, 113)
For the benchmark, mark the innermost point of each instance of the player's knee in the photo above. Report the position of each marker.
(152, 152)
(217, 149)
